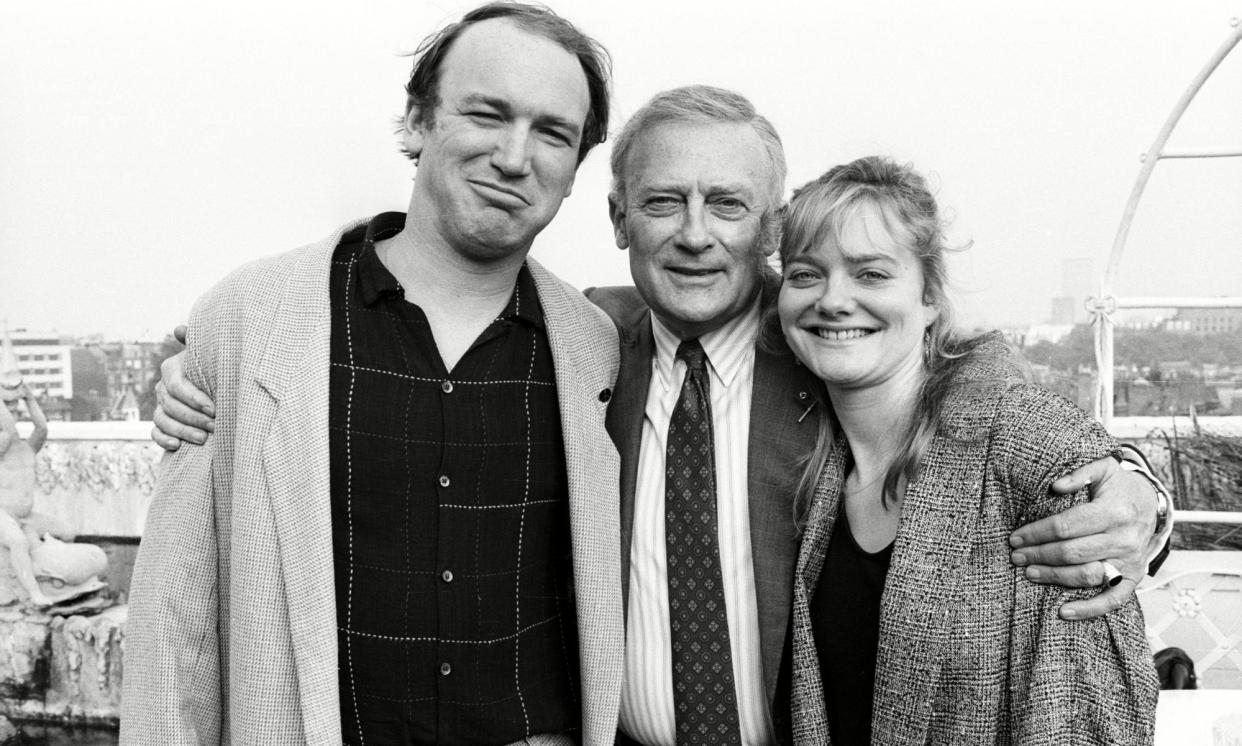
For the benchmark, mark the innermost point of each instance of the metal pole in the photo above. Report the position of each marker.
(1104, 328)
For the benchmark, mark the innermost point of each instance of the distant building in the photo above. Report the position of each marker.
(91, 395)
(45, 364)
(1077, 285)
(1065, 308)
(126, 406)
(1206, 321)
(127, 364)
(1037, 333)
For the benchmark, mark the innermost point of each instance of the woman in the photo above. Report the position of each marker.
(910, 624)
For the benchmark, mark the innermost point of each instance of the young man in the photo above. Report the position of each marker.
(404, 529)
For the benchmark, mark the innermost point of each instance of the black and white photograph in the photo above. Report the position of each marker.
(647, 373)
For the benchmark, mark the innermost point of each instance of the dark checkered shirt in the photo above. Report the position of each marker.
(450, 519)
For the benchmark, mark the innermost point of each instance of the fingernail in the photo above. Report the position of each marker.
(209, 410)
(1016, 541)
(1018, 558)
(1069, 614)
(198, 439)
(1086, 482)
(1033, 573)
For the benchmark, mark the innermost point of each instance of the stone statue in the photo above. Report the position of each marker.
(49, 570)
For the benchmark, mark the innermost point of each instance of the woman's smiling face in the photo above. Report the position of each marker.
(852, 305)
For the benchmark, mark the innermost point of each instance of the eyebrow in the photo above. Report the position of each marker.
(503, 106)
(715, 190)
(869, 258)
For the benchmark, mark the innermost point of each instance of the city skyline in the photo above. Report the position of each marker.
(148, 151)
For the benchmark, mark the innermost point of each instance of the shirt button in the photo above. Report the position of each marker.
(444, 480)
(447, 576)
(445, 669)
(447, 387)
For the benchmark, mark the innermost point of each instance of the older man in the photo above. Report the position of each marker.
(404, 529)
(698, 178)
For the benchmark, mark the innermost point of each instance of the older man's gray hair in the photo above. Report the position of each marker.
(699, 104)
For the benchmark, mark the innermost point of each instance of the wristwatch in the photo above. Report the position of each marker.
(1135, 461)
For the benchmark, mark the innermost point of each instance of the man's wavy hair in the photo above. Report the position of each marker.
(423, 88)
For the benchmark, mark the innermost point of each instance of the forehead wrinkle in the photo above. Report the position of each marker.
(482, 98)
(692, 184)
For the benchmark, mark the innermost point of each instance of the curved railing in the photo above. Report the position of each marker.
(1104, 305)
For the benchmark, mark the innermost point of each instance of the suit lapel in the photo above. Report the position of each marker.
(782, 430)
(626, 413)
(295, 372)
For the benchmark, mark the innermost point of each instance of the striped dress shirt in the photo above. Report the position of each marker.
(647, 713)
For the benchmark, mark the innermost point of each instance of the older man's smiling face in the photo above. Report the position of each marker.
(696, 195)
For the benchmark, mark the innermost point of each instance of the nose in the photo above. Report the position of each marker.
(694, 235)
(837, 299)
(511, 156)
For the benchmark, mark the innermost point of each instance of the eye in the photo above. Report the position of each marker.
(556, 136)
(873, 275)
(483, 115)
(728, 206)
(661, 204)
(801, 277)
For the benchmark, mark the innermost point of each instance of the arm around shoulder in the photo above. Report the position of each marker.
(1071, 681)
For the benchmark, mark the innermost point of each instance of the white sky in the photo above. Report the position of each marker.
(146, 148)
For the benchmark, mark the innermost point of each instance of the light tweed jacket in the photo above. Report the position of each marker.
(970, 652)
(232, 627)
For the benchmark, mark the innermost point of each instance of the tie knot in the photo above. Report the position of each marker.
(692, 352)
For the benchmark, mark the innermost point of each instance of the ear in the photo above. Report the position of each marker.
(412, 129)
(931, 312)
(616, 214)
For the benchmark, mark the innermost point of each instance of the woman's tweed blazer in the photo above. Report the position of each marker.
(232, 627)
(970, 652)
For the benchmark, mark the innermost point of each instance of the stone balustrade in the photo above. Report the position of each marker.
(99, 478)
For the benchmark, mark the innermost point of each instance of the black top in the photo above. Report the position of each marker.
(845, 621)
(450, 518)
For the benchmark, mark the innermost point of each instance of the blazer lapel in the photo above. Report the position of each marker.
(810, 722)
(295, 372)
(938, 519)
(586, 361)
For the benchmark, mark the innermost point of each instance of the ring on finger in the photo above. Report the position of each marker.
(1112, 576)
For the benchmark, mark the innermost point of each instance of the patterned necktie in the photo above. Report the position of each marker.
(703, 693)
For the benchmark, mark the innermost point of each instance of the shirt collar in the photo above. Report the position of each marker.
(524, 304)
(375, 281)
(727, 348)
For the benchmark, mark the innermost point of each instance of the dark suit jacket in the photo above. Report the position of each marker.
(783, 424)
